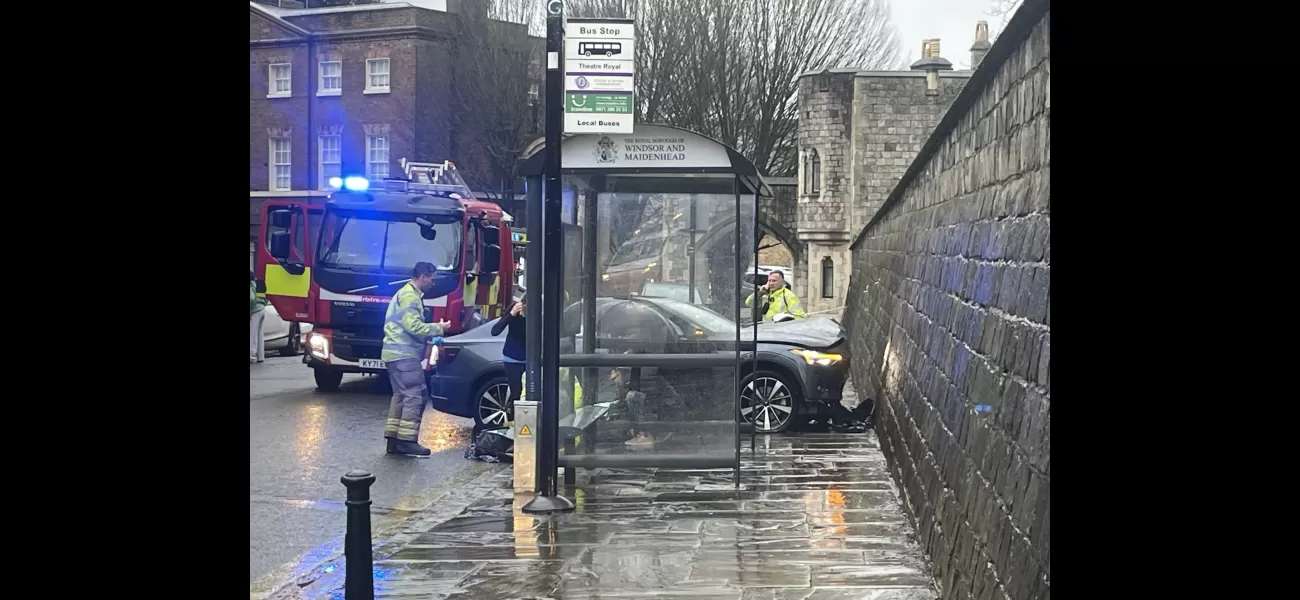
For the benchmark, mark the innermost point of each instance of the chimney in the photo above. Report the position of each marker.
(931, 63)
(981, 45)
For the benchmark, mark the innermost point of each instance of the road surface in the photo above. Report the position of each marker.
(301, 441)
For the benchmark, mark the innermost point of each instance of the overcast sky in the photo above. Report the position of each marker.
(952, 21)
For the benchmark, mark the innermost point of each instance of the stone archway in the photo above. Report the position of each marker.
(719, 266)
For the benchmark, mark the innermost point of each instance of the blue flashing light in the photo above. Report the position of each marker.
(336, 182)
(356, 184)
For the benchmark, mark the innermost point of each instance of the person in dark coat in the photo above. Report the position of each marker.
(514, 352)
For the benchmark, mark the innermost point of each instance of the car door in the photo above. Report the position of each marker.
(273, 327)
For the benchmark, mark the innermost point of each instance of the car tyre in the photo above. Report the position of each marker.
(491, 404)
(769, 401)
(327, 380)
(293, 345)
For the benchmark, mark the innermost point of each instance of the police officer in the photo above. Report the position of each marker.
(405, 336)
(776, 298)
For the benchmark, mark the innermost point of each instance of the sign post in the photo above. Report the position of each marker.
(599, 76)
(547, 498)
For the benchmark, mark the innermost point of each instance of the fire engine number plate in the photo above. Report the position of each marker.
(370, 363)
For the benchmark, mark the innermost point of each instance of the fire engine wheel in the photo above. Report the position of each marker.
(493, 406)
(294, 344)
(328, 380)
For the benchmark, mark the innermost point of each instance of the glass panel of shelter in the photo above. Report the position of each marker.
(675, 231)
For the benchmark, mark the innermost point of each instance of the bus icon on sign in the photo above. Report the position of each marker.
(606, 48)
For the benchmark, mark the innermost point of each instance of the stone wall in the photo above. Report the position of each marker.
(892, 117)
(825, 116)
(949, 321)
(865, 127)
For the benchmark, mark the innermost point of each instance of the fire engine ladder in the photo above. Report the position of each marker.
(431, 177)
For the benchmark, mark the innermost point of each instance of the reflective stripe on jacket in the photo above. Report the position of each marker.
(405, 331)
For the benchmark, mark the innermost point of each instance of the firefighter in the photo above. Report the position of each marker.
(405, 336)
(776, 300)
(256, 320)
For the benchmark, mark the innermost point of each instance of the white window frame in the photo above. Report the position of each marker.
(388, 153)
(370, 63)
(320, 159)
(321, 90)
(272, 165)
(270, 81)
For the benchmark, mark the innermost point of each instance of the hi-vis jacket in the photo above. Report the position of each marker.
(405, 332)
(780, 301)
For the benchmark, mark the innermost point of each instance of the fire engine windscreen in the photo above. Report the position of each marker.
(387, 243)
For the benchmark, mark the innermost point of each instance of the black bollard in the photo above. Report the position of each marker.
(360, 578)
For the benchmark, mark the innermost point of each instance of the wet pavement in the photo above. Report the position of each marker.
(302, 441)
(816, 517)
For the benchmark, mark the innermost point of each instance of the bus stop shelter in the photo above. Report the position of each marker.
(663, 226)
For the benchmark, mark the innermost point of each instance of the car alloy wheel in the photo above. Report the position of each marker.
(767, 403)
(495, 406)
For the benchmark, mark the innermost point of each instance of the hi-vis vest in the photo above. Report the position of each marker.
(564, 376)
(780, 301)
(405, 331)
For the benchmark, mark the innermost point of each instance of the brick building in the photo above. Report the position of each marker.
(353, 89)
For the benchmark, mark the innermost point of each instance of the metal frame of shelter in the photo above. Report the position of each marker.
(746, 183)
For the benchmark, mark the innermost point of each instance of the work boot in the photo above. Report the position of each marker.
(410, 449)
(392, 445)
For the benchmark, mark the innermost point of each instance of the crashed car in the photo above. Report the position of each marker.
(801, 367)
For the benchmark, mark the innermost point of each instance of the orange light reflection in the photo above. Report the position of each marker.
(439, 432)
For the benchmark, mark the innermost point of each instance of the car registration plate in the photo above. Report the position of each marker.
(370, 363)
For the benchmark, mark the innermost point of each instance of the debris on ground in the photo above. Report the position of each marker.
(841, 419)
(492, 446)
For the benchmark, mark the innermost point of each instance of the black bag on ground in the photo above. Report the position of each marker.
(492, 445)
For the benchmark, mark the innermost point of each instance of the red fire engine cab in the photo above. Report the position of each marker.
(337, 266)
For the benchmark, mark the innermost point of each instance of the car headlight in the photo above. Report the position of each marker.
(319, 346)
(814, 357)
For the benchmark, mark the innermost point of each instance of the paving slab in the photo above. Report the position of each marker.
(816, 517)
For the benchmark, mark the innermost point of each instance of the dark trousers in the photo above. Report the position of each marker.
(515, 378)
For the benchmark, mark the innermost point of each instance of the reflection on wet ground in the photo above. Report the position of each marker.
(815, 519)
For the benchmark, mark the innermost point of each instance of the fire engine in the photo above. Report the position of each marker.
(337, 266)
